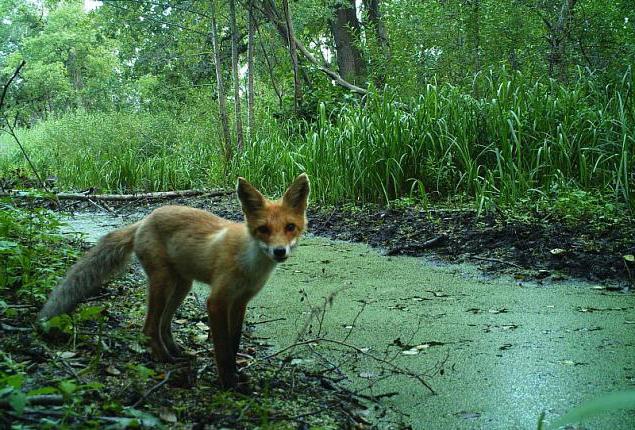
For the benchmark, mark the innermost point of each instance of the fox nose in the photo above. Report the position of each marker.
(280, 253)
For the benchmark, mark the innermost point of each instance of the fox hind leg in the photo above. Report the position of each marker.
(182, 288)
(162, 285)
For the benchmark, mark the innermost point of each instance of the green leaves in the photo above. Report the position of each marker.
(32, 252)
(10, 386)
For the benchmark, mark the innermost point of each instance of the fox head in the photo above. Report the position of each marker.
(275, 225)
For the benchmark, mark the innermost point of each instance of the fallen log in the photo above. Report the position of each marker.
(160, 195)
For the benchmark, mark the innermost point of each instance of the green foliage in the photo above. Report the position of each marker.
(32, 252)
(12, 378)
(69, 64)
(124, 151)
(498, 141)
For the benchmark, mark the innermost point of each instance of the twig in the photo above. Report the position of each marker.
(21, 306)
(495, 260)
(7, 327)
(431, 243)
(6, 86)
(101, 207)
(26, 155)
(359, 350)
(355, 320)
(66, 366)
(153, 389)
(267, 321)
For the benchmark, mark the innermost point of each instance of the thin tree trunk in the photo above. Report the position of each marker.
(237, 109)
(250, 71)
(297, 85)
(270, 68)
(557, 38)
(345, 27)
(475, 20)
(220, 88)
(375, 18)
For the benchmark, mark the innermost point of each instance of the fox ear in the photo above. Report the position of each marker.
(250, 198)
(297, 195)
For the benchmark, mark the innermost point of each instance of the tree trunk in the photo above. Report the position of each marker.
(375, 18)
(237, 109)
(345, 27)
(474, 25)
(220, 88)
(297, 85)
(270, 68)
(250, 71)
(557, 39)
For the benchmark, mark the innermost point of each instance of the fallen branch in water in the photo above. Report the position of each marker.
(160, 195)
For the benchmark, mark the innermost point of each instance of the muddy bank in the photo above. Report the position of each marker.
(536, 248)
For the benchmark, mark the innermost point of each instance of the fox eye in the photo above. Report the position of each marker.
(263, 229)
(290, 228)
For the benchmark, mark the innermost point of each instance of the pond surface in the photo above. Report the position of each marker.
(497, 352)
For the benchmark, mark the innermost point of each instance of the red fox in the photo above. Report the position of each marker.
(178, 244)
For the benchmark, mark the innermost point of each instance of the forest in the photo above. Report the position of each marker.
(472, 192)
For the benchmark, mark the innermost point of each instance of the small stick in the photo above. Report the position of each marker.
(267, 321)
(42, 400)
(153, 389)
(495, 260)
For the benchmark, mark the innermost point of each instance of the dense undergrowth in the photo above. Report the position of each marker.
(33, 254)
(503, 139)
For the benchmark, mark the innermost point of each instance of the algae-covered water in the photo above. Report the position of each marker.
(501, 351)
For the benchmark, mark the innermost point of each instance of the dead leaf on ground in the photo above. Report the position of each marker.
(112, 370)
(468, 415)
(66, 354)
(167, 415)
(202, 326)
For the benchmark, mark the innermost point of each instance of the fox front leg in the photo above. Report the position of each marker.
(218, 312)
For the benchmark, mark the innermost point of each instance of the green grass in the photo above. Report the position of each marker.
(517, 137)
(121, 151)
(502, 139)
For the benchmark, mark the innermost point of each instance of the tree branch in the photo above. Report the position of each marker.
(6, 86)
(273, 15)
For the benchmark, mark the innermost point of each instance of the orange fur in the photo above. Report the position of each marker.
(177, 245)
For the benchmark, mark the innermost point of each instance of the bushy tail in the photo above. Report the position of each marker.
(85, 278)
